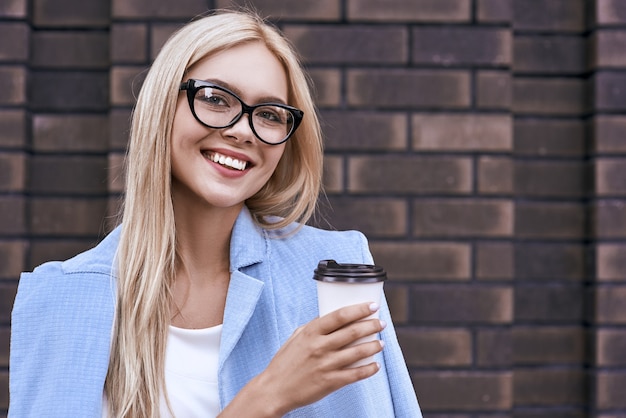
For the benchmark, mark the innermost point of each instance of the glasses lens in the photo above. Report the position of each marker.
(272, 123)
(218, 108)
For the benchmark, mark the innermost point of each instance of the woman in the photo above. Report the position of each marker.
(201, 303)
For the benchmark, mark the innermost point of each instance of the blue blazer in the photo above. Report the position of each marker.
(62, 323)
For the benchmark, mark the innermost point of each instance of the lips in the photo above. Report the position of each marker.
(226, 160)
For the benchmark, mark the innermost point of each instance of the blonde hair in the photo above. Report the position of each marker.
(146, 254)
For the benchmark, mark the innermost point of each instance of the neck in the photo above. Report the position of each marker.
(203, 238)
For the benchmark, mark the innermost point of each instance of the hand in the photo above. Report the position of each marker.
(313, 361)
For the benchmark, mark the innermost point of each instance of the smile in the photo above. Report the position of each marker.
(225, 161)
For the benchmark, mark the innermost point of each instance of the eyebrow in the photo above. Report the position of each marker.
(238, 92)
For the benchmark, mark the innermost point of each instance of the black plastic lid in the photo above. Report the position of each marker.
(331, 271)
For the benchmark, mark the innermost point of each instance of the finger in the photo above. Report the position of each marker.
(355, 331)
(349, 355)
(343, 316)
(349, 375)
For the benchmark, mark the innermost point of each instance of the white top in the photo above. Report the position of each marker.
(191, 362)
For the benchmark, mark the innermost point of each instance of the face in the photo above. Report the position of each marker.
(221, 168)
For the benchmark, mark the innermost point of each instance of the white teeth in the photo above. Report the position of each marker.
(228, 161)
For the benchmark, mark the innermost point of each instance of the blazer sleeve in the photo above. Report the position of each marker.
(60, 340)
(405, 402)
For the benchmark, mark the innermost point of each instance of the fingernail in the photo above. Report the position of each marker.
(382, 343)
(374, 307)
(383, 324)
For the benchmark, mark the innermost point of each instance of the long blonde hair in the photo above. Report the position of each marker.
(146, 254)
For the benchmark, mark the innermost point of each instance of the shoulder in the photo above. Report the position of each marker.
(83, 279)
(343, 246)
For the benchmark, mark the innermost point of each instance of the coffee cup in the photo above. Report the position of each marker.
(340, 285)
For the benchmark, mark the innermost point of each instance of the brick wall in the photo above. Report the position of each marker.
(478, 143)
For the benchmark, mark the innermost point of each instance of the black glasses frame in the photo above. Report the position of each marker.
(192, 86)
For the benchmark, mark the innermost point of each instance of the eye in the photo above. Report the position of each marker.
(215, 98)
(272, 115)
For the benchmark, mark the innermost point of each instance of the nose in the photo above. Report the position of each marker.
(240, 130)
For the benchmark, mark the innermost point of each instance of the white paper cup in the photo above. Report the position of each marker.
(340, 285)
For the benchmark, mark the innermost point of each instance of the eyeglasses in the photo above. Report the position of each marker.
(217, 107)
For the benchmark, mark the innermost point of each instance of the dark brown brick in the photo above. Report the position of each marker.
(609, 304)
(543, 96)
(462, 218)
(182, 9)
(14, 46)
(551, 178)
(13, 128)
(43, 250)
(609, 390)
(609, 177)
(610, 12)
(115, 172)
(68, 175)
(13, 210)
(475, 45)
(452, 304)
(549, 303)
(129, 43)
(541, 261)
(608, 134)
(611, 262)
(610, 347)
(549, 55)
(326, 86)
(549, 346)
(67, 217)
(7, 296)
(159, 34)
(494, 11)
(280, 10)
(549, 137)
(493, 89)
(609, 92)
(333, 174)
(4, 390)
(71, 13)
(353, 44)
(550, 220)
(375, 217)
(411, 175)
(12, 258)
(13, 8)
(451, 11)
(4, 347)
(414, 261)
(126, 83)
(12, 172)
(494, 347)
(464, 390)
(78, 91)
(360, 131)
(495, 175)
(548, 387)
(70, 133)
(397, 296)
(12, 85)
(466, 132)
(119, 129)
(552, 16)
(608, 46)
(609, 219)
(421, 89)
(495, 261)
(70, 49)
(448, 347)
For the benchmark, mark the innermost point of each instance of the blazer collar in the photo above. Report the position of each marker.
(248, 242)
